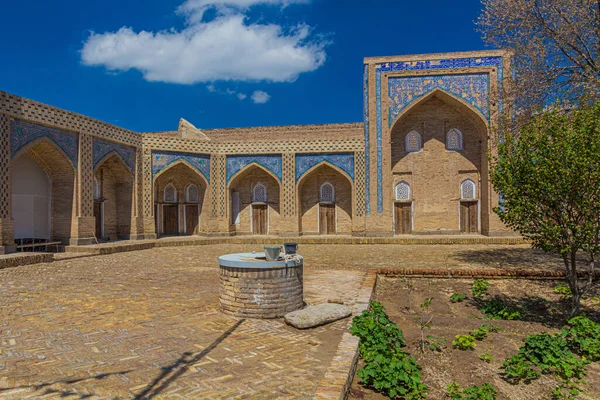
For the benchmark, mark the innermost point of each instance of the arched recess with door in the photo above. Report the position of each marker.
(325, 201)
(113, 198)
(180, 200)
(469, 207)
(403, 208)
(438, 141)
(43, 192)
(254, 206)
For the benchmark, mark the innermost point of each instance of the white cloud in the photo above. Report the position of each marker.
(224, 48)
(194, 10)
(260, 97)
(241, 96)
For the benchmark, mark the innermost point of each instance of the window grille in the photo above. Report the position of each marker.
(402, 191)
(260, 194)
(413, 142)
(170, 194)
(192, 194)
(454, 140)
(327, 193)
(468, 190)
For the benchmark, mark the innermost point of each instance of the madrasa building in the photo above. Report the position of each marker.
(417, 164)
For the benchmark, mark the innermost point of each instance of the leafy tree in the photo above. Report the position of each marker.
(549, 176)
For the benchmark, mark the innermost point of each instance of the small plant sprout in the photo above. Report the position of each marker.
(487, 357)
(464, 342)
(479, 289)
(483, 392)
(424, 322)
(457, 297)
(436, 343)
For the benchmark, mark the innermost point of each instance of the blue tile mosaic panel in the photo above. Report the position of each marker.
(22, 133)
(472, 88)
(344, 161)
(422, 66)
(271, 162)
(101, 148)
(163, 159)
(367, 145)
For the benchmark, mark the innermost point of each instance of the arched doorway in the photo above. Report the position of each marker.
(113, 196)
(437, 142)
(179, 197)
(43, 181)
(325, 201)
(254, 202)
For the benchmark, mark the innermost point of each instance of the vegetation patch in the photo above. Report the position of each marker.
(388, 368)
(483, 392)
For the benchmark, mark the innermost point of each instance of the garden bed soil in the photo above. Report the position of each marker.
(544, 311)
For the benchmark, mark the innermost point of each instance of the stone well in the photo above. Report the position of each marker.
(252, 287)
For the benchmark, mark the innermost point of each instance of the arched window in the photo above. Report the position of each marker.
(259, 195)
(454, 140)
(413, 142)
(170, 194)
(403, 191)
(192, 193)
(468, 190)
(97, 190)
(327, 193)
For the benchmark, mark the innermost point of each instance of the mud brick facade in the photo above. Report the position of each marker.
(417, 164)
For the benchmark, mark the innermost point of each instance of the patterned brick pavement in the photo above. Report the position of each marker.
(146, 324)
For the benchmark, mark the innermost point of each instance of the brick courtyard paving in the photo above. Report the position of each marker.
(144, 324)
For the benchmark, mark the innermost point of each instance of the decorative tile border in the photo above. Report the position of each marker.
(367, 144)
(272, 162)
(101, 148)
(22, 133)
(163, 159)
(344, 161)
(473, 88)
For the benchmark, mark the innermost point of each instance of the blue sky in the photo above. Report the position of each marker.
(143, 64)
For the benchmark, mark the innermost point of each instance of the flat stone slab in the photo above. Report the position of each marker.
(320, 314)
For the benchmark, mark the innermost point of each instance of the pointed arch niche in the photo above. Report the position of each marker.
(325, 201)
(436, 170)
(113, 200)
(180, 200)
(43, 192)
(254, 202)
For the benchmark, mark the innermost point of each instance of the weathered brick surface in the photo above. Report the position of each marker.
(135, 324)
(261, 292)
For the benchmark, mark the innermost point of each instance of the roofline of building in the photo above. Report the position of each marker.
(438, 56)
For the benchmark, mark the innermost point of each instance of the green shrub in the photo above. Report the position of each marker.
(564, 291)
(546, 354)
(496, 309)
(583, 336)
(492, 328)
(483, 392)
(436, 343)
(388, 369)
(479, 289)
(487, 357)
(480, 333)
(464, 342)
(457, 298)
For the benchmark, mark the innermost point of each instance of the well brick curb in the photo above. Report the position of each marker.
(338, 378)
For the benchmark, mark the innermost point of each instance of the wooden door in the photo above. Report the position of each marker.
(403, 218)
(327, 219)
(98, 216)
(191, 219)
(469, 221)
(259, 219)
(170, 217)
